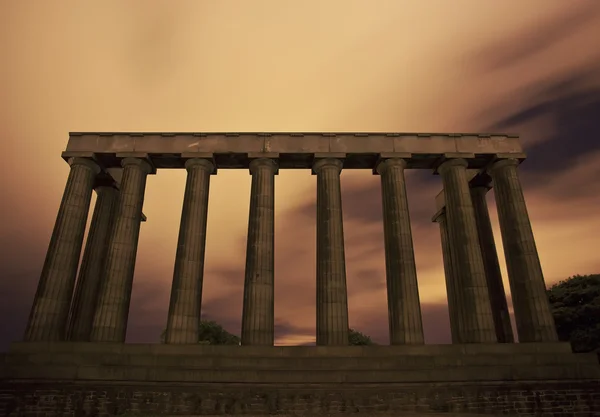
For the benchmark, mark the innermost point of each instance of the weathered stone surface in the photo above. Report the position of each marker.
(258, 312)
(450, 275)
(532, 310)
(112, 310)
(183, 319)
(491, 265)
(473, 303)
(296, 150)
(523, 399)
(104, 379)
(92, 265)
(332, 295)
(404, 309)
(50, 310)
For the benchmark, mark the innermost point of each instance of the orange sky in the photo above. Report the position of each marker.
(525, 67)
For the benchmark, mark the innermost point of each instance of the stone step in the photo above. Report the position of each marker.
(403, 362)
(257, 376)
(294, 351)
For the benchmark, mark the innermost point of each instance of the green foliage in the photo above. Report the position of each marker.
(356, 338)
(575, 304)
(211, 333)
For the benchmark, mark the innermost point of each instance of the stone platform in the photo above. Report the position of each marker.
(92, 379)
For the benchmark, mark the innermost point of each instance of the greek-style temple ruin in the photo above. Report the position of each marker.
(74, 342)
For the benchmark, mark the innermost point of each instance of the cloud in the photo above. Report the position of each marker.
(530, 42)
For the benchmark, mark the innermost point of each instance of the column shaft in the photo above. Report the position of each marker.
(404, 310)
(533, 316)
(112, 310)
(50, 310)
(450, 275)
(332, 297)
(183, 320)
(473, 302)
(492, 266)
(92, 265)
(258, 316)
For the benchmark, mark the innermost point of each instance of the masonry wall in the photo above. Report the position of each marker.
(524, 399)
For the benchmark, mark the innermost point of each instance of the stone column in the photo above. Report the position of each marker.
(404, 310)
(183, 320)
(532, 310)
(50, 310)
(259, 301)
(473, 302)
(490, 262)
(332, 297)
(112, 310)
(450, 275)
(92, 265)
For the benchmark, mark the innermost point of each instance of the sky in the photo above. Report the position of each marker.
(530, 68)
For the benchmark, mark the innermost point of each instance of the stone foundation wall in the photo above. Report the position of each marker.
(31, 399)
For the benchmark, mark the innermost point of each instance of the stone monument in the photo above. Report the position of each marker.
(74, 359)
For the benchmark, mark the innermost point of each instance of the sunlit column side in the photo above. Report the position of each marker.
(450, 275)
(404, 310)
(92, 265)
(473, 302)
(533, 316)
(183, 320)
(112, 310)
(258, 314)
(497, 295)
(50, 309)
(332, 297)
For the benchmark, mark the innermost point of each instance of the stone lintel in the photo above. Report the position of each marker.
(299, 150)
(332, 155)
(258, 155)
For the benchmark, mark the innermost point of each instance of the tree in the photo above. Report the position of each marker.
(357, 338)
(211, 333)
(575, 304)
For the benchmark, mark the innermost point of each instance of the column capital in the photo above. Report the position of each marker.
(255, 164)
(319, 164)
(90, 163)
(454, 162)
(142, 163)
(384, 164)
(205, 164)
(503, 163)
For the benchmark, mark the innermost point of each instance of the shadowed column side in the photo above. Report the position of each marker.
(491, 264)
(110, 318)
(332, 297)
(92, 265)
(258, 316)
(533, 316)
(50, 310)
(404, 309)
(450, 275)
(473, 303)
(183, 320)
